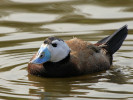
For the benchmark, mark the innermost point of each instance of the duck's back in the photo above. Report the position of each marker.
(88, 57)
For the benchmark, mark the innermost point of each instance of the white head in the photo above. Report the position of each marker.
(53, 49)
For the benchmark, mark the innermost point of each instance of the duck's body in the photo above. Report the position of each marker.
(82, 58)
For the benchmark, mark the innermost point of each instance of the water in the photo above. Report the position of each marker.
(24, 24)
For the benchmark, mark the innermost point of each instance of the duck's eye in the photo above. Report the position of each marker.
(42, 55)
(54, 44)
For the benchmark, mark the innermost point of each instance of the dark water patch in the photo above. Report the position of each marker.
(54, 7)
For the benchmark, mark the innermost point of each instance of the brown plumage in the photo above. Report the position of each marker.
(84, 57)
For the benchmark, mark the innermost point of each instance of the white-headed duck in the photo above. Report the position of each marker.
(58, 58)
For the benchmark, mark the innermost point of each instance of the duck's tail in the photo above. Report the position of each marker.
(114, 41)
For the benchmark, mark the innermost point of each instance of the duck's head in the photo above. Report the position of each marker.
(53, 49)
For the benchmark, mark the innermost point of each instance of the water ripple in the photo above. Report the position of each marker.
(30, 17)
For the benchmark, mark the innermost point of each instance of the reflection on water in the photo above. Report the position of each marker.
(24, 24)
(30, 17)
(109, 13)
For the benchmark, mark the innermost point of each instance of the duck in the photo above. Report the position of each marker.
(74, 57)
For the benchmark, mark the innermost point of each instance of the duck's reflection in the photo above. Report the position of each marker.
(55, 88)
(60, 87)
